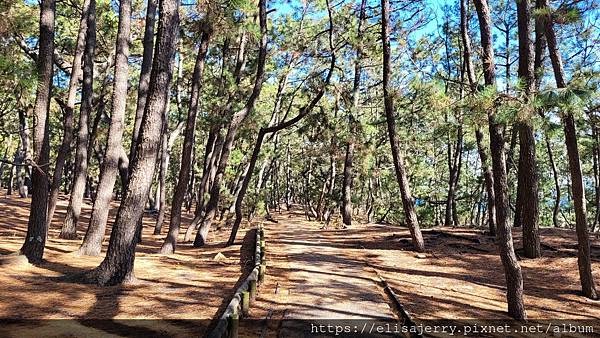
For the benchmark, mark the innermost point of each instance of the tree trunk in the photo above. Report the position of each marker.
(22, 156)
(347, 184)
(146, 69)
(556, 208)
(170, 243)
(69, 228)
(5, 159)
(189, 194)
(213, 150)
(483, 157)
(37, 227)
(458, 158)
(527, 174)
(117, 267)
(583, 255)
(65, 145)
(400, 170)
(273, 129)
(330, 191)
(454, 164)
(61, 157)
(512, 269)
(161, 195)
(596, 158)
(451, 175)
(11, 177)
(92, 242)
(288, 178)
(349, 158)
(236, 121)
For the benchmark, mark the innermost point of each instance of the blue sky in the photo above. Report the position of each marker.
(285, 7)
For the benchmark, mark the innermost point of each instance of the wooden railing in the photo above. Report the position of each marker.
(245, 294)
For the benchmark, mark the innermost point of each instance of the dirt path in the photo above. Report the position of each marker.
(311, 276)
(314, 273)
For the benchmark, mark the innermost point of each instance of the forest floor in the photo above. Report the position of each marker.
(317, 273)
(187, 288)
(312, 273)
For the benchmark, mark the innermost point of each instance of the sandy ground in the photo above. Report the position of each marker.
(312, 273)
(187, 288)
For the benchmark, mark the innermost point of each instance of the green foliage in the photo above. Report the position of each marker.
(434, 105)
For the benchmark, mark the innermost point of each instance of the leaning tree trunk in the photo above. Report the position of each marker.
(170, 243)
(212, 149)
(143, 84)
(583, 253)
(65, 145)
(92, 242)
(208, 174)
(273, 129)
(167, 141)
(407, 200)
(69, 228)
(61, 157)
(117, 267)
(37, 227)
(236, 121)
(512, 269)
(483, 157)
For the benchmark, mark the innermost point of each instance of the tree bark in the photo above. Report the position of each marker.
(92, 242)
(37, 227)
(556, 208)
(5, 160)
(213, 151)
(288, 178)
(170, 242)
(527, 172)
(273, 129)
(588, 287)
(596, 159)
(512, 269)
(483, 157)
(408, 203)
(167, 141)
(349, 158)
(236, 121)
(65, 145)
(454, 163)
(161, 189)
(22, 155)
(69, 228)
(146, 69)
(118, 265)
